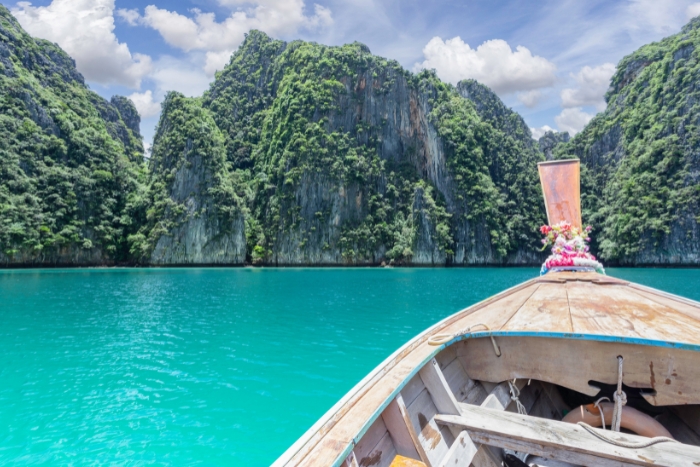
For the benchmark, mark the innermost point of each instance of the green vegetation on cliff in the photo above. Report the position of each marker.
(302, 120)
(69, 165)
(640, 180)
(301, 153)
(186, 137)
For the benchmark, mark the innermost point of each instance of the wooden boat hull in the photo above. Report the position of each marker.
(544, 334)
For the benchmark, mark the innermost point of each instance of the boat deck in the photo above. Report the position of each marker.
(564, 320)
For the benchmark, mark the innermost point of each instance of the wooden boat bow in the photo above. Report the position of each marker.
(564, 328)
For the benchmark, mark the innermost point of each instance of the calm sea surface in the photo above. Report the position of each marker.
(222, 367)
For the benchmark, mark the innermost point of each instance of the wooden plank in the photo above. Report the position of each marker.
(411, 430)
(396, 425)
(351, 460)
(621, 311)
(460, 384)
(566, 442)
(370, 440)
(558, 404)
(546, 310)
(443, 398)
(688, 307)
(461, 452)
(485, 457)
(435, 440)
(381, 455)
(498, 399)
(672, 373)
(414, 387)
(496, 314)
(446, 356)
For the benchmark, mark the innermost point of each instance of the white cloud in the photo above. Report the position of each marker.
(215, 61)
(693, 10)
(572, 120)
(131, 16)
(85, 30)
(493, 63)
(530, 98)
(538, 133)
(592, 85)
(185, 76)
(145, 104)
(220, 39)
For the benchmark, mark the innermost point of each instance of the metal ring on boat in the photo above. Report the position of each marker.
(632, 419)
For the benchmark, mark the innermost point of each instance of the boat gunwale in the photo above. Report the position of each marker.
(401, 353)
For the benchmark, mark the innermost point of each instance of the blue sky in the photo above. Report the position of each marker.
(551, 61)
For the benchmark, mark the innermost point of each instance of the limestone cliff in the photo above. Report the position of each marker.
(195, 215)
(347, 158)
(641, 157)
(69, 161)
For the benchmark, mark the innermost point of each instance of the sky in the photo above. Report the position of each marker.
(549, 60)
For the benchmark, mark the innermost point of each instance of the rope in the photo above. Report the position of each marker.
(626, 444)
(439, 339)
(619, 396)
(602, 415)
(515, 395)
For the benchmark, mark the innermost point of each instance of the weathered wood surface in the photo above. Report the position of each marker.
(396, 425)
(678, 318)
(547, 308)
(460, 453)
(566, 442)
(411, 430)
(445, 402)
(498, 399)
(350, 461)
(671, 376)
(374, 447)
(622, 311)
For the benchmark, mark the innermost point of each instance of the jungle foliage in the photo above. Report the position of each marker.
(282, 109)
(640, 160)
(71, 171)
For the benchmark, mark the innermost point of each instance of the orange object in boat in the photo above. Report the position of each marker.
(632, 419)
(401, 461)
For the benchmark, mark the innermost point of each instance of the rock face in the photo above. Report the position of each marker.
(342, 157)
(302, 154)
(196, 218)
(641, 157)
(69, 162)
(550, 140)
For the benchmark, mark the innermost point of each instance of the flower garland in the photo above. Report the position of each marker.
(569, 248)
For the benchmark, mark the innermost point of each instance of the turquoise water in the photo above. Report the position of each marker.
(212, 367)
